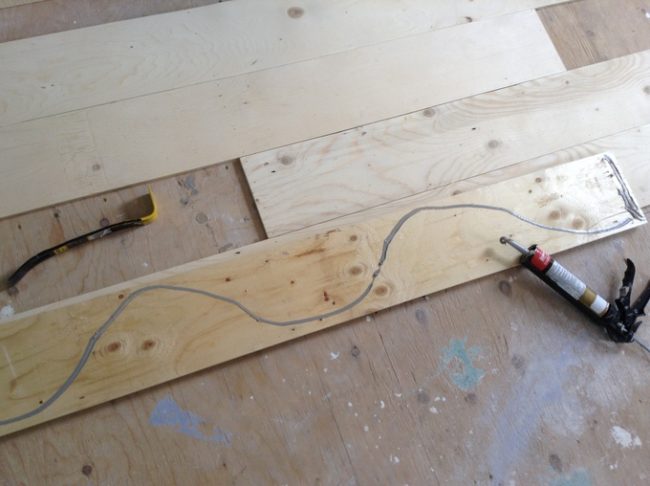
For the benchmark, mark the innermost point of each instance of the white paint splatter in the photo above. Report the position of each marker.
(349, 404)
(393, 459)
(368, 318)
(398, 395)
(366, 428)
(145, 264)
(647, 14)
(8, 358)
(382, 405)
(624, 438)
(433, 410)
(334, 355)
(324, 370)
(6, 312)
(252, 397)
(437, 399)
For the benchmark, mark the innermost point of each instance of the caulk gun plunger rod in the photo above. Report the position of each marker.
(514, 244)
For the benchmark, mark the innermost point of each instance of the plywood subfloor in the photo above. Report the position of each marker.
(355, 404)
(591, 31)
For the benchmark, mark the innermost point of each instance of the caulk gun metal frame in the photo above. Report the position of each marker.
(620, 321)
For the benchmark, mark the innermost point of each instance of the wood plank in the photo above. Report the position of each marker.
(317, 180)
(104, 147)
(51, 16)
(123, 60)
(290, 277)
(589, 31)
(631, 148)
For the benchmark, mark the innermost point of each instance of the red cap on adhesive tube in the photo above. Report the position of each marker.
(541, 260)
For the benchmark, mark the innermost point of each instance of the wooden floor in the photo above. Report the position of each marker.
(493, 382)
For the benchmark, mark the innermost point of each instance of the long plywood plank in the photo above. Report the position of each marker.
(67, 71)
(166, 333)
(317, 180)
(104, 147)
(632, 149)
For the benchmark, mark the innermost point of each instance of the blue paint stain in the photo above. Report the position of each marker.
(457, 354)
(168, 413)
(541, 387)
(579, 477)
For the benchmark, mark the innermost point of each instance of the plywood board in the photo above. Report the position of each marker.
(321, 179)
(68, 71)
(367, 262)
(104, 147)
(632, 149)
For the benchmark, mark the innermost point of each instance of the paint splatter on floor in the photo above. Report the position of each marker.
(168, 413)
(458, 361)
(6, 312)
(540, 390)
(579, 477)
(625, 438)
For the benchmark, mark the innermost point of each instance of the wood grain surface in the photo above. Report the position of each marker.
(318, 180)
(50, 16)
(631, 148)
(590, 31)
(164, 333)
(123, 60)
(543, 412)
(104, 147)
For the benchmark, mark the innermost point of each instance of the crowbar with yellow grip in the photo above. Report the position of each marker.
(80, 240)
